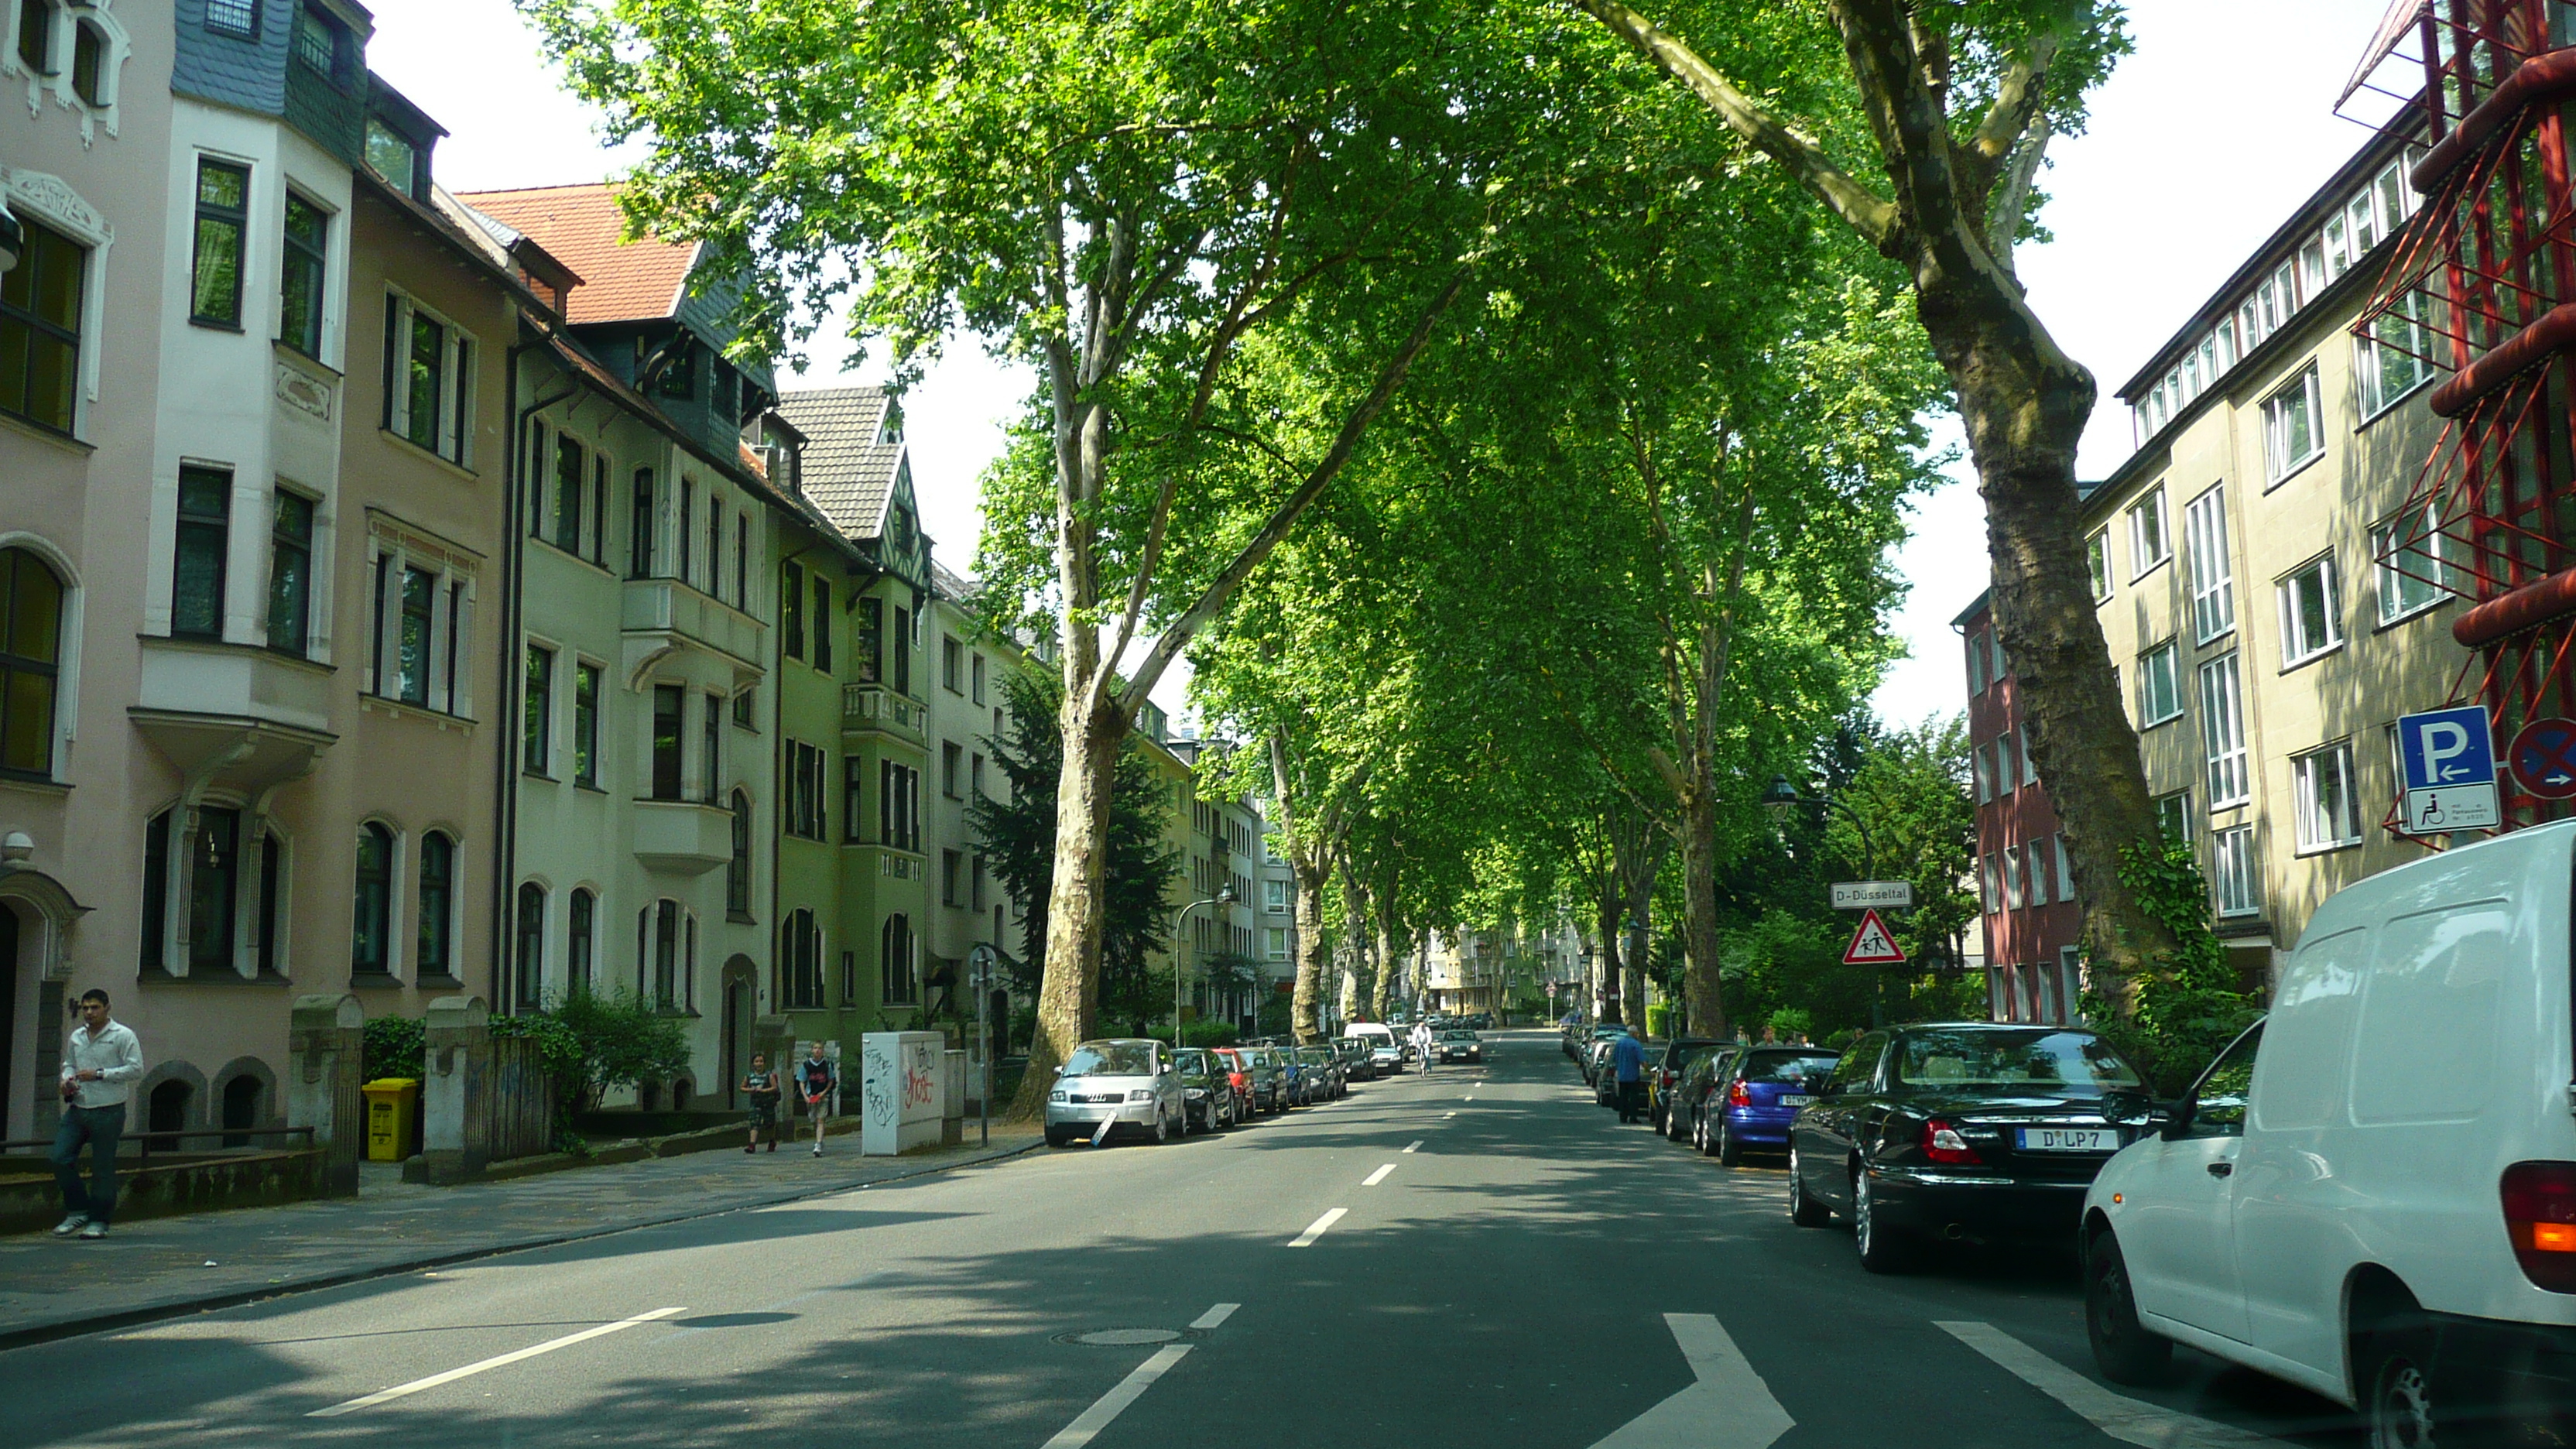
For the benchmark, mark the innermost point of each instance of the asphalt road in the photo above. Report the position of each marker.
(1530, 1273)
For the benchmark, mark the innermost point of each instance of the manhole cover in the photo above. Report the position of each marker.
(1121, 1337)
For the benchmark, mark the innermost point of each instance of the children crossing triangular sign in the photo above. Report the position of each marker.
(1873, 944)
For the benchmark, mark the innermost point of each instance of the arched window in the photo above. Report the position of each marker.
(738, 870)
(31, 656)
(371, 929)
(528, 974)
(89, 61)
(898, 977)
(437, 904)
(241, 1108)
(166, 1110)
(584, 929)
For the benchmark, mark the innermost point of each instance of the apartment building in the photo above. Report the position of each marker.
(2030, 922)
(2271, 607)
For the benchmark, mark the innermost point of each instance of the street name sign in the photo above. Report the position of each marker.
(1873, 944)
(1863, 895)
(2447, 760)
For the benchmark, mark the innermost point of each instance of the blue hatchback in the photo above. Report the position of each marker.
(1762, 1092)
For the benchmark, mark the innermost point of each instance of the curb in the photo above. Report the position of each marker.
(179, 1307)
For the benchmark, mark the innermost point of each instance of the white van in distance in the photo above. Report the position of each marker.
(2372, 1193)
(1386, 1054)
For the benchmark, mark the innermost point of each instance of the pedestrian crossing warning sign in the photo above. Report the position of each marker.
(1873, 944)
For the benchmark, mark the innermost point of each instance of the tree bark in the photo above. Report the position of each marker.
(1355, 938)
(1703, 1004)
(1382, 989)
(1069, 1001)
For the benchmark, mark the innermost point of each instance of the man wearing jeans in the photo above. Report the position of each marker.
(102, 1059)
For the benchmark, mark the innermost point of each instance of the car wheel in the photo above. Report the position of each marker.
(1881, 1251)
(2122, 1347)
(1699, 1133)
(2401, 1401)
(1056, 1137)
(1804, 1211)
(1729, 1151)
(1162, 1127)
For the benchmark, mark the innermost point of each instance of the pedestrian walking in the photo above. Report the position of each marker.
(818, 1078)
(103, 1058)
(1628, 1058)
(760, 1084)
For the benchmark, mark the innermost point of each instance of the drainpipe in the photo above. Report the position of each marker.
(505, 850)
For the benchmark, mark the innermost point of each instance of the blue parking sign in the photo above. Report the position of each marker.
(2447, 748)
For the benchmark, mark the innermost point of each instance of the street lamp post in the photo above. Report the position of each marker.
(1224, 897)
(1780, 799)
(979, 979)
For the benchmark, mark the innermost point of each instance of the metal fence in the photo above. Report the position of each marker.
(519, 1101)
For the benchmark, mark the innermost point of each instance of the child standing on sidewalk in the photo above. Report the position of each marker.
(819, 1078)
(760, 1084)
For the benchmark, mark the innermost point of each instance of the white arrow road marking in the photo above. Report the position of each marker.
(1317, 1228)
(482, 1365)
(1729, 1407)
(1115, 1402)
(2123, 1418)
(1378, 1176)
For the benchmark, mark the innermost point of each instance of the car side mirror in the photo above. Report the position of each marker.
(2173, 1121)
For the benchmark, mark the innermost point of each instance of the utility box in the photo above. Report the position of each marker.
(389, 1116)
(901, 1103)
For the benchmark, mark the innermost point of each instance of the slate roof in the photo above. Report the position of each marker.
(953, 586)
(848, 466)
(583, 227)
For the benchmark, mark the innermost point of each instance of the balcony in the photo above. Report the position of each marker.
(682, 837)
(875, 707)
(661, 614)
(243, 718)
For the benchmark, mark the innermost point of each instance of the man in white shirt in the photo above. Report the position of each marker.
(99, 1065)
(1422, 1043)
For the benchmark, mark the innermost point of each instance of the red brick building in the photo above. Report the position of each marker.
(2024, 889)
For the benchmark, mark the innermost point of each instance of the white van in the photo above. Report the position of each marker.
(1386, 1054)
(2372, 1193)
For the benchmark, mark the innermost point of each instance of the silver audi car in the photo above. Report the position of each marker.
(1119, 1083)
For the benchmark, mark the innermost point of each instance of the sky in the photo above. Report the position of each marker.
(2201, 143)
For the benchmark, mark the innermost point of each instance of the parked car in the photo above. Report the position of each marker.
(1460, 1045)
(1664, 1072)
(1207, 1090)
(1750, 1105)
(1297, 1088)
(2372, 1193)
(1969, 1129)
(1690, 1094)
(1111, 1084)
(1481, 1021)
(1605, 1077)
(1357, 1064)
(1594, 1044)
(1239, 1078)
(1266, 1079)
(1386, 1054)
(1331, 1082)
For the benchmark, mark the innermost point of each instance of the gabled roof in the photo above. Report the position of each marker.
(623, 280)
(952, 586)
(853, 452)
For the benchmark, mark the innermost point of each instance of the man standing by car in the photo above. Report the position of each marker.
(102, 1058)
(1628, 1058)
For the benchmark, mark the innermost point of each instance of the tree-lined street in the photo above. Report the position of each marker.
(1500, 1265)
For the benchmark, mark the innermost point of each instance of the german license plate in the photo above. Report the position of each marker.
(1795, 1099)
(2069, 1139)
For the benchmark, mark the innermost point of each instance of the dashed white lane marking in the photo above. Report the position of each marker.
(1318, 1228)
(1378, 1176)
(483, 1365)
(1726, 1407)
(1113, 1403)
(1416, 1143)
(1445, 1116)
(2117, 1415)
(1215, 1316)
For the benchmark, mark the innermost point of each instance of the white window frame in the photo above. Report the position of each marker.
(1976, 665)
(1275, 944)
(2387, 372)
(2029, 770)
(2036, 871)
(2235, 872)
(2389, 581)
(1977, 768)
(2097, 564)
(460, 363)
(2170, 652)
(1274, 894)
(2013, 896)
(2278, 462)
(2065, 868)
(2222, 732)
(451, 614)
(2211, 572)
(2296, 647)
(2326, 824)
(2146, 554)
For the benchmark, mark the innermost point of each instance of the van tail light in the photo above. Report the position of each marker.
(1739, 1095)
(2540, 1218)
(1942, 1143)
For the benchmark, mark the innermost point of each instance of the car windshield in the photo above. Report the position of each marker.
(1457, 1036)
(1111, 1059)
(1789, 1066)
(1968, 1060)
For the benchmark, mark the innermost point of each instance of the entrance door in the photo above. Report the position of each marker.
(737, 1040)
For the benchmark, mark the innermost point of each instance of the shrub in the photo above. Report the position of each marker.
(614, 1040)
(393, 1048)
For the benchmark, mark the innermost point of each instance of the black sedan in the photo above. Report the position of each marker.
(1976, 1130)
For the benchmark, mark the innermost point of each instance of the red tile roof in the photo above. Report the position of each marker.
(583, 226)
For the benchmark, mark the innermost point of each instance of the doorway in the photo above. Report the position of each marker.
(737, 1039)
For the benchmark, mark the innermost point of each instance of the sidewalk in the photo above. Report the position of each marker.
(163, 1267)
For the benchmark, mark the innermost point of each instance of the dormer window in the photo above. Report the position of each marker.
(317, 42)
(394, 157)
(233, 17)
